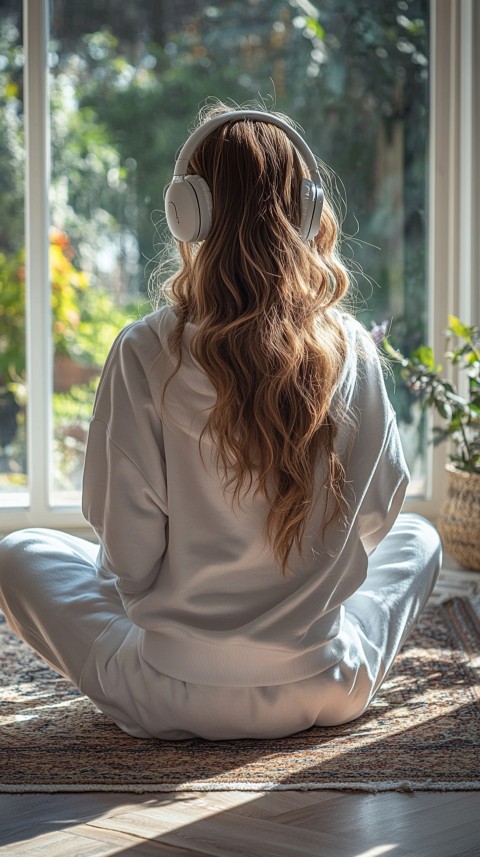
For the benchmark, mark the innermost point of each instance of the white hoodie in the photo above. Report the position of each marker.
(197, 574)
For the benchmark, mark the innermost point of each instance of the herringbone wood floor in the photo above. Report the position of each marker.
(248, 824)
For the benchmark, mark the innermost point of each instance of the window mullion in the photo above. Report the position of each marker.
(448, 219)
(469, 271)
(38, 312)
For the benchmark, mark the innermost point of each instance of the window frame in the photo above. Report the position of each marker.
(453, 253)
(453, 203)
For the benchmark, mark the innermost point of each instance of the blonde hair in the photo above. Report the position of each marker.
(267, 339)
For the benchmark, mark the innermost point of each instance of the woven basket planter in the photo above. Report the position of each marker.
(459, 521)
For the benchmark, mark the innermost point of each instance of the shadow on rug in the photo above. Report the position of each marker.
(422, 732)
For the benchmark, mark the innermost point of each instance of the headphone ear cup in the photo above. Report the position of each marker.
(311, 209)
(188, 208)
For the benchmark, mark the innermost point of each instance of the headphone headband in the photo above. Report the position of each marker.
(188, 199)
(203, 131)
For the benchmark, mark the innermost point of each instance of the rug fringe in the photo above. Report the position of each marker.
(138, 788)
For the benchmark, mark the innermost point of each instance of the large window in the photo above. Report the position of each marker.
(108, 94)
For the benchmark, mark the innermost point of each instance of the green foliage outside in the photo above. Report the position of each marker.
(84, 323)
(85, 320)
(354, 75)
(124, 91)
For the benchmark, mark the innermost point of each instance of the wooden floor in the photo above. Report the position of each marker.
(243, 824)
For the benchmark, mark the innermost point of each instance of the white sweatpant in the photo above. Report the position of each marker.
(75, 621)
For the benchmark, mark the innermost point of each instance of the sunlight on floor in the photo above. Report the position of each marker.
(377, 851)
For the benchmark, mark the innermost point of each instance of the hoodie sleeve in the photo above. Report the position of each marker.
(385, 492)
(124, 486)
(377, 474)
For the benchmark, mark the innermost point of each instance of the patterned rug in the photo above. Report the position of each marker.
(422, 732)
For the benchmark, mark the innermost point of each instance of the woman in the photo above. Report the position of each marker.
(243, 474)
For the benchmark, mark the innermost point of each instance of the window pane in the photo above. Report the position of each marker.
(126, 85)
(95, 264)
(13, 467)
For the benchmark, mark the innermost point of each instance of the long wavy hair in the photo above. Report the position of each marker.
(267, 339)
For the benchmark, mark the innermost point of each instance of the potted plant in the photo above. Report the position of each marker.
(459, 521)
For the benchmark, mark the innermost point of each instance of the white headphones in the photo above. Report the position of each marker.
(188, 199)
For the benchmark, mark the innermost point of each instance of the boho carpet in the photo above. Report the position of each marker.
(422, 732)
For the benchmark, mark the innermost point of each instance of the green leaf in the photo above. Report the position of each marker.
(455, 422)
(455, 399)
(316, 27)
(439, 435)
(424, 355)
(458, 328)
